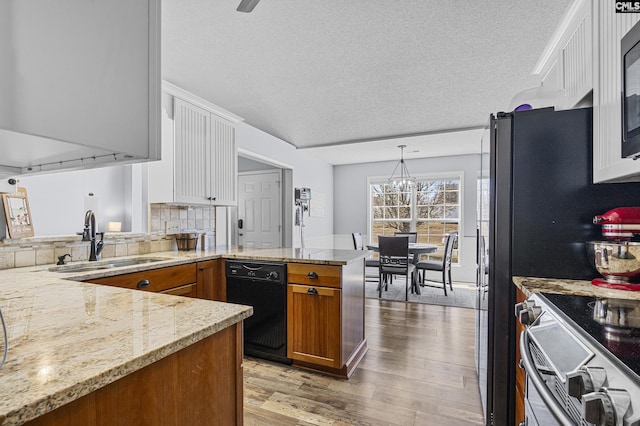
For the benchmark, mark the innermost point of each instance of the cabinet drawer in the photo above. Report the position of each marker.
(189, 290)
(158, 279)
(315, 275)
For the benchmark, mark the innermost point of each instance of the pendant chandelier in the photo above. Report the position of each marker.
(400, 178)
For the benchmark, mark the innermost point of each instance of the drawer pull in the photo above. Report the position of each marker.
(143, 284)
(312, 291)
(312, 275)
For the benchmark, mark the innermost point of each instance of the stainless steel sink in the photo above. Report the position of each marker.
(106, 264)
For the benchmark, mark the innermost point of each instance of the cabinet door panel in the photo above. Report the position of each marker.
(313, 325)
(223, 171)
(211, 280)
(192, 135)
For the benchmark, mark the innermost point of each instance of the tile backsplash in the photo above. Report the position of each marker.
(16, 253)
(200, 218)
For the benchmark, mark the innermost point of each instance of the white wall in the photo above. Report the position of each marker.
(308, 172)
(350, 201)
(57, 200)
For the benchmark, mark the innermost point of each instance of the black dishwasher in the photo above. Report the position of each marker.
(262, 285)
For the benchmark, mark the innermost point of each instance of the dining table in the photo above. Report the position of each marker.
(415, 249)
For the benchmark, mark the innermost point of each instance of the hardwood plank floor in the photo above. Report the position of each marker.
(419, 370)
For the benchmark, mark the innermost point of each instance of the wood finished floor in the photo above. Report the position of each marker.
(419, 370)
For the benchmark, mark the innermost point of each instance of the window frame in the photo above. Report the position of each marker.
(459, 175)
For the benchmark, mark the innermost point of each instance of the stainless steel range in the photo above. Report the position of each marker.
(582, 360)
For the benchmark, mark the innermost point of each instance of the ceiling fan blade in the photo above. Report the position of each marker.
(247, 5)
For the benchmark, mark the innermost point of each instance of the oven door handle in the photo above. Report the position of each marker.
(532, 373)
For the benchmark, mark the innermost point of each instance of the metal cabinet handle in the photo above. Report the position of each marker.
(312, 275)
(202, 269)
(143, 284)
(312, 291)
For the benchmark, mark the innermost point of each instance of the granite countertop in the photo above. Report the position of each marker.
(68, 338)
(530, 285)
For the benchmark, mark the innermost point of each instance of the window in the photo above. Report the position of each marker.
(432, 209)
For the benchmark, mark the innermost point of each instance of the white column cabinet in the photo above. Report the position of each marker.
(608, 164)
(567, 62)
(223, 168)
(192, 153)
(199, 152)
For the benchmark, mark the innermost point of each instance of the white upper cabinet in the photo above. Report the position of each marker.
(199, 160)
(584, 59)
(79, 83)
(192, 153)
(566, 64)
(608, 164)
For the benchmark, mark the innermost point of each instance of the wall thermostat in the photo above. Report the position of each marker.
(302, 194)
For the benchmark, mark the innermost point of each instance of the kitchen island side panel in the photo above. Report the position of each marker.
(200, 384)
(352, 308)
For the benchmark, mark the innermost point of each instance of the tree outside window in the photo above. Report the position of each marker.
(432, 209)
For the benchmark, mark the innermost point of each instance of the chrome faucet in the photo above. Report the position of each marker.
(89, 234)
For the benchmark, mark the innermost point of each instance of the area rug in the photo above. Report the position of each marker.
(463, 294)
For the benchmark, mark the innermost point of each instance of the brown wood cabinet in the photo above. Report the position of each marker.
(204, 280)
(211, 280)
(314, 324)
(520, 374)
(198, 385)
(157, 280)
(325, 316)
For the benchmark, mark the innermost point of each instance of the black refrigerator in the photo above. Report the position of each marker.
(541, 202)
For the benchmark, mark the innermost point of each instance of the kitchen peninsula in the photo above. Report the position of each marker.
(77, 348)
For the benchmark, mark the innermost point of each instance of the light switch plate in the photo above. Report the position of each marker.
(171, 227)
(8, 186)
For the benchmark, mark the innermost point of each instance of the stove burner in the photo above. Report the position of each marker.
(622, 342)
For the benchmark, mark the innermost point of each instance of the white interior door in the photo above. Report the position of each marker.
(259, 209)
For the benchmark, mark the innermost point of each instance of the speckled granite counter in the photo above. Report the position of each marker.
(68, 338)
(530, 285)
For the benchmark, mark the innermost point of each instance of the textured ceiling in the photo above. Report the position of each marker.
(326, 72)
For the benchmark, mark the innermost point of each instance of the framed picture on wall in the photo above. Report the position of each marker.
(17, 214)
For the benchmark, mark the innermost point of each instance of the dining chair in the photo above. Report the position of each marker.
(369, 262)
(443, 265)
(413, 236)
(394, 260)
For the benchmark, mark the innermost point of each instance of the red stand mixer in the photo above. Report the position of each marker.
(618, 258)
